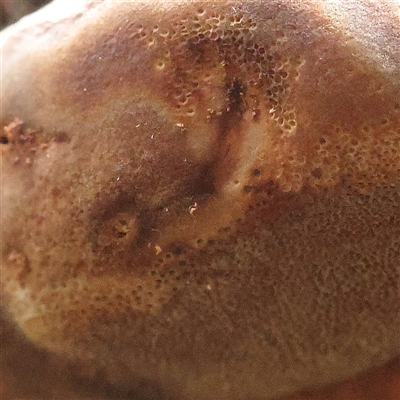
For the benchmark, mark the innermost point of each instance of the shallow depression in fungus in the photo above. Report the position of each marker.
(209, 197)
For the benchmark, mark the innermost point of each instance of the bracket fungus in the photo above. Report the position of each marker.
(204, 196)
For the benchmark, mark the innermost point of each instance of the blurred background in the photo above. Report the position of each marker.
(12, 10)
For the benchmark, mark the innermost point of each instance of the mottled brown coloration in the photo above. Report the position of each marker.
(212, 202)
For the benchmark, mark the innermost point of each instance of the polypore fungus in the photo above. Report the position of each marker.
(204, 195)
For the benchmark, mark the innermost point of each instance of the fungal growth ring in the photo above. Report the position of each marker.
(204, 196)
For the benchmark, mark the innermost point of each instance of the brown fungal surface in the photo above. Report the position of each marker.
(202, 195)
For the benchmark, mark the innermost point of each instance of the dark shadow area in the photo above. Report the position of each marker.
(29, 373)
(13, 10)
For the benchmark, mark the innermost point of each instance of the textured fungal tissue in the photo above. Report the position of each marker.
(204, 195)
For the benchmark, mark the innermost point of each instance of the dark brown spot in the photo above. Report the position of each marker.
(317, 173)
(62, 137)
